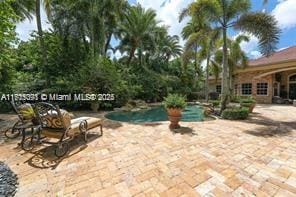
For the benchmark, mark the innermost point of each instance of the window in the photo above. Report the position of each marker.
(218, 89)
(262, 89)
(246, 89)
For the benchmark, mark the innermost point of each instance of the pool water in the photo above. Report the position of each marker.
(191, 113)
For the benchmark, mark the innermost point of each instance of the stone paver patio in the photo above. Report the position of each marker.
(256, 157)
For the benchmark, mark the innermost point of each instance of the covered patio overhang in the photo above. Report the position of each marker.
(275, 71)
(283, 83)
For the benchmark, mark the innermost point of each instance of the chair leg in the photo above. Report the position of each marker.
(61, 149)
(101, 130)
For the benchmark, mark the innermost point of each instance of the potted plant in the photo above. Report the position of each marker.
(174, 105)
(249, 103)
(94, 106)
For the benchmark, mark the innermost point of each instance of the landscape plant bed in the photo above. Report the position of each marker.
(8, 181)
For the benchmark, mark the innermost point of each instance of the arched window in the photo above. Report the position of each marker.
(293, 78)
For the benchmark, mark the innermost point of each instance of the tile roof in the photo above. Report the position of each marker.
(284, 55)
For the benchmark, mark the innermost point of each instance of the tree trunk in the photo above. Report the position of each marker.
(83, 37)
(132, 52)
(207, 76)
(40, 35)
(225, 73)
(93, 41)
(195, 57)
(230, 82)
(195, 67)
(107, 43)
(140, 56)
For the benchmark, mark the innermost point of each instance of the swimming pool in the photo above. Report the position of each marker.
(191, 113)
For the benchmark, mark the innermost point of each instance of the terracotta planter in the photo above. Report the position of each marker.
(251, 106)
(174, 115)
(94, 106)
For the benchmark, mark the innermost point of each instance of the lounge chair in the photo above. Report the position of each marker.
(26, 120)
(57, 124)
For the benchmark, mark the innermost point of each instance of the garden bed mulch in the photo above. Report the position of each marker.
(8, 181)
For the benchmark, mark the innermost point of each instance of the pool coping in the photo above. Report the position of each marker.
(157, 122)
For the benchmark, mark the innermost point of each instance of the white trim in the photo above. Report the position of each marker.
(274, 71)
(268, 86)
(278, 88)
(288, 81)
(241, 89)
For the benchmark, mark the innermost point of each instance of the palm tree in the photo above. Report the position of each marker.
(236, 14)
(190, 28)
(114, 14)
(94, 22)
(199, 34)
(237, 58)
(170, 47)
(25, 9)
(137, 30)
(46, 4)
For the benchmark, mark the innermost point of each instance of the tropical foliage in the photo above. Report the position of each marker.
(113, 47)
(236, 14)
(79, 54)
(174, 101)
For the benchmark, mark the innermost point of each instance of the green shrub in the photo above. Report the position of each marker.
(247, 100)
(242, 104)
(102, 77)
(5, 107)
(175, 101)
(235, 113)
(215, 103)
(236, 98)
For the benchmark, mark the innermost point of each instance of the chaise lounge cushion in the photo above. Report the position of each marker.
(77, 123)
(53, 120)
(75, 127)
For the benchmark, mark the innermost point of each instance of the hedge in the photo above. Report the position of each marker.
(215, 103)
(235, 113)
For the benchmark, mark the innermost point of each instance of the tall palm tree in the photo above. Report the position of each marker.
(137, 30)
(113, 15)
(46, 4)
(191, 27)
(94, 22)
(237, 58)
(199, 34)
(25, 9)
(226, 14)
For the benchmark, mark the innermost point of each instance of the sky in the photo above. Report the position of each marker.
(168, 11)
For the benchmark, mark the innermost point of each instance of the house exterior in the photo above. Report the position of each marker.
(268, 79)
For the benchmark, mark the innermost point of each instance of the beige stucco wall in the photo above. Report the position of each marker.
(249, 77)
(212, 85)
(254, 76)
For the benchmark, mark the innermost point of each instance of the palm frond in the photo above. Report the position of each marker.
(209, 10)
(215, 69)
(236, 8)
(186, 57)
(242, 38)
(264, 27)
(184, 13)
